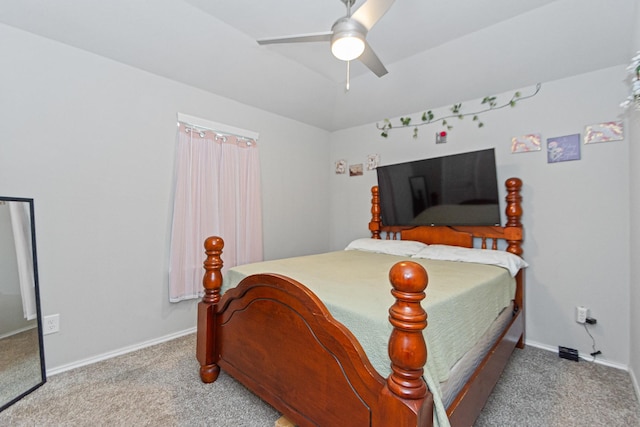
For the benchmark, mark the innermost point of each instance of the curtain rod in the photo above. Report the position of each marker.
(204, 124)
(190, 127)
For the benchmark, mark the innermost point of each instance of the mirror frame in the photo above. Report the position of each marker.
(43, 371)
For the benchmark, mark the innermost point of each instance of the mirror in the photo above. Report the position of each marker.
(21, 351)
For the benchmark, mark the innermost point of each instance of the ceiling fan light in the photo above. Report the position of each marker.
(347, 47)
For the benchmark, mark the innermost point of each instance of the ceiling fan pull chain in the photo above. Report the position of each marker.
(348, 75)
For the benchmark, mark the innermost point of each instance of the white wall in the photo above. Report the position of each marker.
(92, 141)
(634, 160)
(576, 214)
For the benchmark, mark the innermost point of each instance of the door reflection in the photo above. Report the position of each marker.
(21, 353)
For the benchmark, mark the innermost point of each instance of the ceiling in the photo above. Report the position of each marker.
(438, 52)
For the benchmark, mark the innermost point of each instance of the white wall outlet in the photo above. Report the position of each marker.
(581, 314)
(51, 324)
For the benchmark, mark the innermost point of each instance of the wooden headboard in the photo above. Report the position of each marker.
(464, 236)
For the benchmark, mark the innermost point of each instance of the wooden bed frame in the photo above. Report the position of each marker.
(276, 337)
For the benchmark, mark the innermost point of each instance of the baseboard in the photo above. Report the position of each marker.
(119, 352)
(16, 332)
(598, 360)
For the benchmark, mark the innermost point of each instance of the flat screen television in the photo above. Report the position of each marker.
(459, 189)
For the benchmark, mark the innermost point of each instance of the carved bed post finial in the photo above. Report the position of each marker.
(207, 310)
(514, 200)
(212, 279)
(407, 348)
(514, 212)
(376, 221)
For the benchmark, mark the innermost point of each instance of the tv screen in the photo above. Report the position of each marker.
(460, 189)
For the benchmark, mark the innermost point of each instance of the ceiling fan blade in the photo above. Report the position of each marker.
(371, 60)
(301, 38)
(370, 12)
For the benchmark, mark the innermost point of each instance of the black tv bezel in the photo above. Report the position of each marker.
(384, 200)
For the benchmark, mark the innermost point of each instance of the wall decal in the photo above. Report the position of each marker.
(489, 103)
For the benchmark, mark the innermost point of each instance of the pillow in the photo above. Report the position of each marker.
(390, 247)
(510, 261)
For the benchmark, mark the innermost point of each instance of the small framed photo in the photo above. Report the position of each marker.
(355, 170)
(373, 160)
(526, 143)
(604, 132)
(563, 148)
(341, 167)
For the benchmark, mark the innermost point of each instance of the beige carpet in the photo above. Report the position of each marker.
(159, 386)
(156, 386)
(538, 388)
(19, 364)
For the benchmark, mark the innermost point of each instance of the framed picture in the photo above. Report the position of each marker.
(563, 148)
(355, 170)
(526, 143)
(373, 160)
(341, 167)
(603, 132)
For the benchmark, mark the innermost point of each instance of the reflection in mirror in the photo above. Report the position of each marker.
(21, 352)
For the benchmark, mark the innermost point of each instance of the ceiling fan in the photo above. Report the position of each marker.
(348, 35)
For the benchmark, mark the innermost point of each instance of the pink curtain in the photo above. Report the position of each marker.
(217, 192)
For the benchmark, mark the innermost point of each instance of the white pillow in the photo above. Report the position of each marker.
(510, 261)
(390, 247)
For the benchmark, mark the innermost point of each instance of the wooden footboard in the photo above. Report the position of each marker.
(277, 338)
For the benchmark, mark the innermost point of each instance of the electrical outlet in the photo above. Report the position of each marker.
(51, 324)
(581, 314)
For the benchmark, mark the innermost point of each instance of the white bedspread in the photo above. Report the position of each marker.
(462, 300)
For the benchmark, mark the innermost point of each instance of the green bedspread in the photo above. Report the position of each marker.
(462, 300)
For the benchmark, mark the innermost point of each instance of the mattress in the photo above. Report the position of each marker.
(464, 367)
(354, 287)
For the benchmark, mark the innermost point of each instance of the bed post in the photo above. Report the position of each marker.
(212, 282)
(407, 347)
(376, 222)
(513, 236)
(513, 227)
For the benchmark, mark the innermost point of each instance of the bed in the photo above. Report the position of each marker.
(278, 338)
